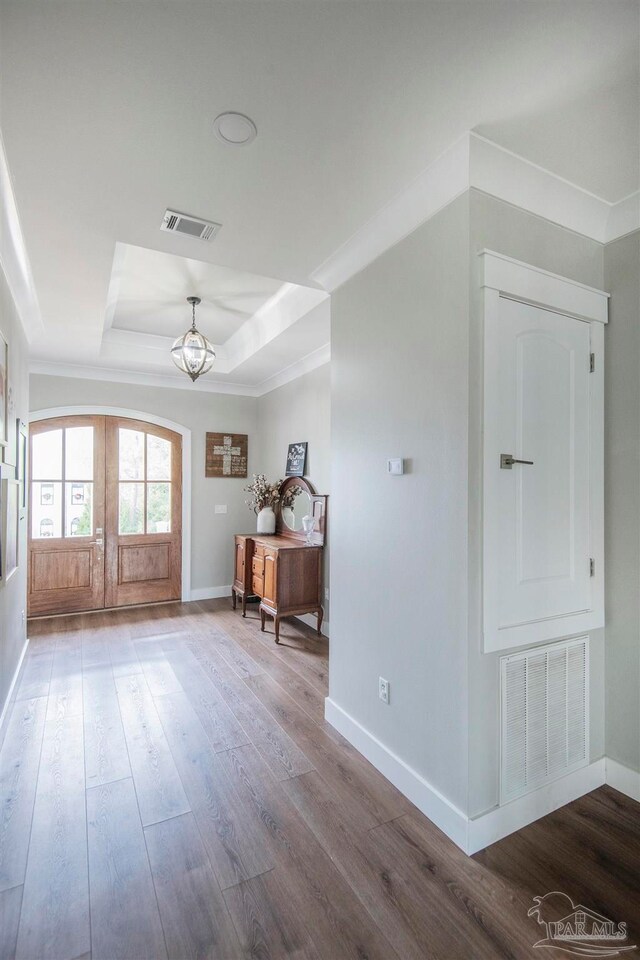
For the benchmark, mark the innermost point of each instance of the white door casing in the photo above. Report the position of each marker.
(542, 522)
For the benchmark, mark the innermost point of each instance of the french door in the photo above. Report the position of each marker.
(105, 510)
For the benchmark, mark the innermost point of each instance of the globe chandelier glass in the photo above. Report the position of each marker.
(192, 353)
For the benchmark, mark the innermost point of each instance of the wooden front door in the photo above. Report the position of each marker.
(144, 513)
(66, 515)
(105, 514)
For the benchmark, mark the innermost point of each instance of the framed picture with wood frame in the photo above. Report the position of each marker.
(10, 527)
(22, 440)
(226, 455)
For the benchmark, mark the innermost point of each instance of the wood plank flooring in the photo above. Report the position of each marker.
(169, 789)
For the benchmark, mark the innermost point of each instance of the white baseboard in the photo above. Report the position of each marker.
(427, 799)
(471, 835)
(312, 621)
(16, 674)
(624, 779)
(209, 593)
(501, 821)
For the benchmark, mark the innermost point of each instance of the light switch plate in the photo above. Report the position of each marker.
(395, 467)
(220, 508)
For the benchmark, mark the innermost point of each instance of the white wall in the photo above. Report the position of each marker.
(300, 410)
(212, 534)
(399, 345)
(498, 226)
(406, 553)
(13, 592)
(622, 501)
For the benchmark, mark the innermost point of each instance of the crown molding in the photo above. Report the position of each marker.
(624, 217)
(289, 304)
(444, 180)
(312, 361)
(475, 162)
(510, 177)
(113, 375)
(14, 259)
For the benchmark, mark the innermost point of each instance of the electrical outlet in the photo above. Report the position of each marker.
(326, 594)
(220, 508)
(22, 616)
(383, 689)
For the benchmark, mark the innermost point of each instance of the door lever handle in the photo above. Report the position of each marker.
(98, 543)
(507, 461)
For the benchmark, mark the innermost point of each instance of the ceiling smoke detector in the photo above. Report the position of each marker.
(235, 128)
(176, 222)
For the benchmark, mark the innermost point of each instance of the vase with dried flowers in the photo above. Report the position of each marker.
(263, 497)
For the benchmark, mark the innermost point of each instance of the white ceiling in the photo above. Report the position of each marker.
(106, 112)
(148, 292)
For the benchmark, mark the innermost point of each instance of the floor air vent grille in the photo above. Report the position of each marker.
(544, 715)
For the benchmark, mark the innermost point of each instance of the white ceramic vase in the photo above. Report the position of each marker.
(266, 520)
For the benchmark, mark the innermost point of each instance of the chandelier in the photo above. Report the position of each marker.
(192, 353)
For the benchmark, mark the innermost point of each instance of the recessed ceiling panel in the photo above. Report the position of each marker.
(149, 288)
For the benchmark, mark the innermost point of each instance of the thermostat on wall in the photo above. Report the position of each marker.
(395, 467)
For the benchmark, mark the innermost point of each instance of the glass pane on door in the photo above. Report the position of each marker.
(159, 508)
(79, 510)
(46, 510)
(131, 508)
(158, 458)
(78, 447)
(131, 454)
(46, 456)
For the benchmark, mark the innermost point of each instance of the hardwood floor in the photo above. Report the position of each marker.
(170, 789)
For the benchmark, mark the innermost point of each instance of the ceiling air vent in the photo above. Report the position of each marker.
(191, 226)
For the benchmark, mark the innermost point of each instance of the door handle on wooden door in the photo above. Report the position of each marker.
(99, 541)
(507, 461)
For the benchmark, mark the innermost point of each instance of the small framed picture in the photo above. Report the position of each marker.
(4, 392)
(296, 460)
(226, 455)
(21, 460)
(10, 529)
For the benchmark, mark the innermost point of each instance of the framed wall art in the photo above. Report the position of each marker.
(4, 393)
(11, 448)
(10, 527)
(226, 455)
(22, 440)
(296, 459)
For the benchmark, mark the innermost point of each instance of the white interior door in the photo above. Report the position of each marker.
(537, 514)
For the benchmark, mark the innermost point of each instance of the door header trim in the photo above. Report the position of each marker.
(522, 281)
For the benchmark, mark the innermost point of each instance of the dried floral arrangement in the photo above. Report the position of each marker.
(262, 493)
(290, 496)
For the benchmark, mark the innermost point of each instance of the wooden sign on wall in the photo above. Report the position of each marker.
(226, 455)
